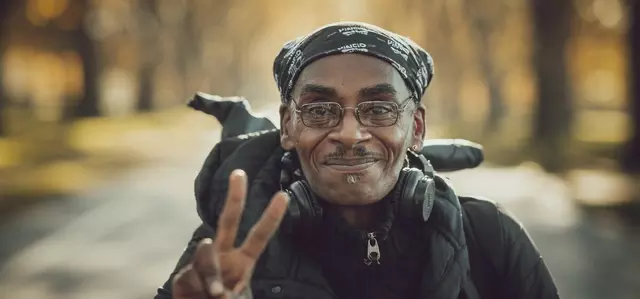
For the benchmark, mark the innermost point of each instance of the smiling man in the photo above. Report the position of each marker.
(365, 216)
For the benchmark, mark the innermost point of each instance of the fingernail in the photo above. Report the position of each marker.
(238, 172)
(216, 288)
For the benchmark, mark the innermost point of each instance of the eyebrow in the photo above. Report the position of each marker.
(378, 89)
(366, 92)
(319, 89)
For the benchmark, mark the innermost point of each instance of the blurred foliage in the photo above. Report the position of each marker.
(64, 59)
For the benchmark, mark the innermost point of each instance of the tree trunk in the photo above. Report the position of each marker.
(451, 104)
(484, 23)
(89, 102)
(6, 9)
(631, 156)
(493, 80)
(148, 60)
(145, 91)
(552, 28)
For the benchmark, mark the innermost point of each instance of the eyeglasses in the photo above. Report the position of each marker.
(369, 114)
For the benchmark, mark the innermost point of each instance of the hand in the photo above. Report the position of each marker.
(218, 270)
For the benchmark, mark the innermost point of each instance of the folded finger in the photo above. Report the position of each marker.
(204, 259)
(207, 266)
(188, 285)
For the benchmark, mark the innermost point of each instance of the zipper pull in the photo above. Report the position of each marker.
(373, 251)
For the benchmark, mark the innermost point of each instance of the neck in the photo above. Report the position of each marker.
(360, 217)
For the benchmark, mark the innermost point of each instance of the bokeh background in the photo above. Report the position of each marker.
(98, 151)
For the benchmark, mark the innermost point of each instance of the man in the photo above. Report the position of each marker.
(365, 215)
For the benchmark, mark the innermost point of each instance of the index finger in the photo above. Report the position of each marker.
(232, 211)
(269, 222)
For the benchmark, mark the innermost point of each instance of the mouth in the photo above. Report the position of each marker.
(350, 165)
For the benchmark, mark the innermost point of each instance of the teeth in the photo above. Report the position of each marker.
(360, 162)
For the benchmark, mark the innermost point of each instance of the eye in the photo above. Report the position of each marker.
(380, 109)
(319, 110)
(377, 109)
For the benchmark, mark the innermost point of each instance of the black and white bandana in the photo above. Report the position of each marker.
(413, 63)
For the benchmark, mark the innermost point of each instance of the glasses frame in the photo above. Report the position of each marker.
(400, 108)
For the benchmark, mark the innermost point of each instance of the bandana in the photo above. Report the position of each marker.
(413, 63)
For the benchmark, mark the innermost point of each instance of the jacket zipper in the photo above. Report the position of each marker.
(373, 250)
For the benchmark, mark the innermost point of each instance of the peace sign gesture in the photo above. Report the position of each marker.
(218, 269)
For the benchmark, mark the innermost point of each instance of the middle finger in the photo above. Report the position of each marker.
(269, 222)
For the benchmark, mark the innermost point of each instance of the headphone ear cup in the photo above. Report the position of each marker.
(425, 193)
(304, 210)
(417, 194)
(410, 204)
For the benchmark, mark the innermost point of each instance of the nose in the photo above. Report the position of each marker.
(349, 132)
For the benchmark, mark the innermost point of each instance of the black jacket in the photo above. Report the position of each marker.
(466, 242)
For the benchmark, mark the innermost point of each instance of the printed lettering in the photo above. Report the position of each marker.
(397, 45)
(395, 50)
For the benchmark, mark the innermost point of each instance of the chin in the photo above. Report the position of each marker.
(331, 185)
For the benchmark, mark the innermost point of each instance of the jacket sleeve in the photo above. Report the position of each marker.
(525, 273)
(203, 231)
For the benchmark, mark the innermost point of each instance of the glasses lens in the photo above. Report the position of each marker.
(378, 114)
(320, 115)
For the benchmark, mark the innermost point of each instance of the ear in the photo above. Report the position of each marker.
(419, 127)
(286, 128)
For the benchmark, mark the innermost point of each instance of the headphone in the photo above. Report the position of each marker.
(415, 190)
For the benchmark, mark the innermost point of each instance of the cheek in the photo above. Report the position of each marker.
(408, 128)
(308, 142)
(398, 138)
(297, 129)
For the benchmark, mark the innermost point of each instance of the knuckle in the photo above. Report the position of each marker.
(227, 220)
(260, 236)
(271, 220)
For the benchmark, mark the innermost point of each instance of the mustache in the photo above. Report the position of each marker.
(358, 151)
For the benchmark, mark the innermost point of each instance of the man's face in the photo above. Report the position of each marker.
(373, 156)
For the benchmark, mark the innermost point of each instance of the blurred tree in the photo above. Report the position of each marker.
(486, 19)
(552, 115)
(215, 51)
(443, 44)
(147, 19)
(6, 9)
(86, 49)
(234, 41)
(145, 90)
(631, 156)
(440, 22)
(188, 50)
(241, 70)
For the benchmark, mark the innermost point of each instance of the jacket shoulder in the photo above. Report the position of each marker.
(501, 250)
(227, 146)
(488, 226)
(218, 158)
(489, 218)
